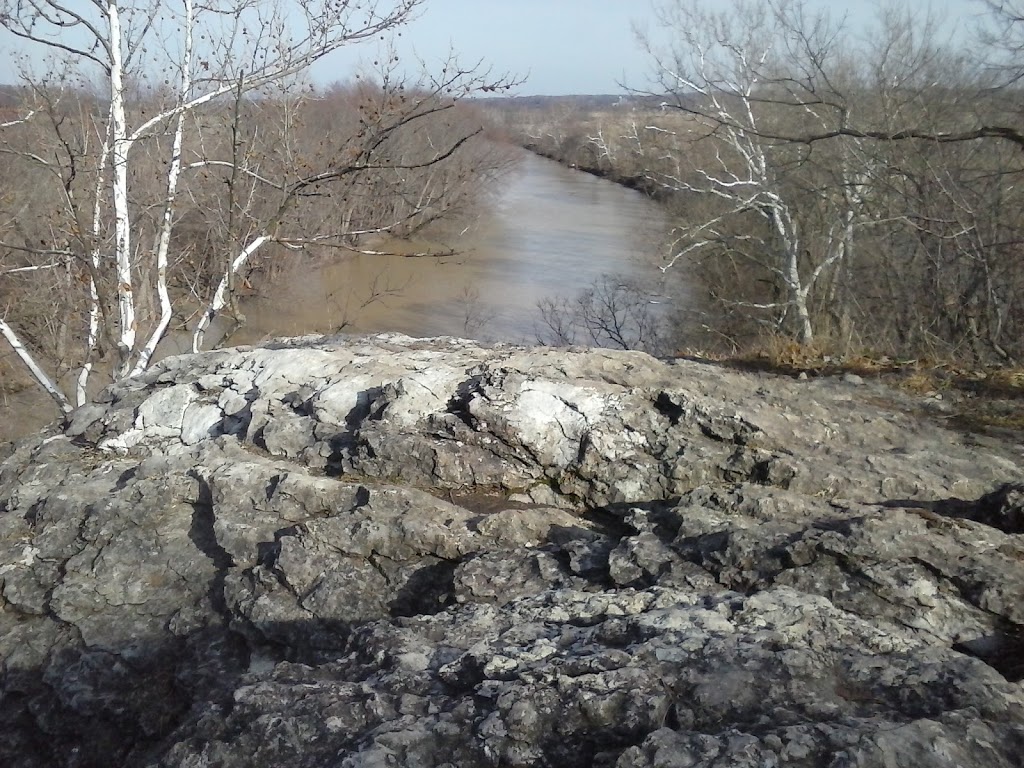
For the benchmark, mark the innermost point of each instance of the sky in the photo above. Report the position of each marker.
(568, 46)
(557, 46)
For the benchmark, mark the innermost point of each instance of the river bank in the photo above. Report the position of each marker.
(635, 181)
(546, 231)
(779, 248)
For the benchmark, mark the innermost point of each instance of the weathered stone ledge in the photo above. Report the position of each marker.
(384, 550)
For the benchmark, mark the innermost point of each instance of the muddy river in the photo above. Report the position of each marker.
(548, 231)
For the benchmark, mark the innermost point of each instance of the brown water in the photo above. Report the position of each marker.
(549, 231)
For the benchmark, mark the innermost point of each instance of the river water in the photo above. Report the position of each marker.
(548, 231)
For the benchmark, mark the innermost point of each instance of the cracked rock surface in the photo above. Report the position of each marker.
(391, 551)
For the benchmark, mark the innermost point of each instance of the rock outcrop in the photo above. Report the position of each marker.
(388, 551)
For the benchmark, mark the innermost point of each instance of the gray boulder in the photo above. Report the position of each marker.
(391, 551)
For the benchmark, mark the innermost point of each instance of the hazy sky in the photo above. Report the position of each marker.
(559, 46)
(569, 46)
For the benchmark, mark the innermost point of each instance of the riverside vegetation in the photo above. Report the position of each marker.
(858, 200)
(842, 202)
(401, 190)
(365, 551)
(859, 192)
(164, 152)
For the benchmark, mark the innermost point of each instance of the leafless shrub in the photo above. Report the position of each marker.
(612, 312)
(476, 314)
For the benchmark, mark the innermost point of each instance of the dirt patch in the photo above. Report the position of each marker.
(24, 412)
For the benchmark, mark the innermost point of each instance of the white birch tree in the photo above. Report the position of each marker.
(150, 75)
(744, 75)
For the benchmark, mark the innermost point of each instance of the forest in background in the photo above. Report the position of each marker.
(857, 193)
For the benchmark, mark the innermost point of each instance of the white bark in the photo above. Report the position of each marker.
(220, 297)
(119, 166)
(173, 173)
(33, 367)
(20, 120)
(36, 268)
(82, 388)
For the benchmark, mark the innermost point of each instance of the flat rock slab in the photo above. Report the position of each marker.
(393, 551)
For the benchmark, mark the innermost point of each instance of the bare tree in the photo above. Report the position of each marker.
(743, 74)
(1001, 34)
(131, 93)
(611, 312)
(820, 180)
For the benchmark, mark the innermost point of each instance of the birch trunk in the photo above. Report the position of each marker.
(220, 297)
(26, 357)
(173, 174)
(119, 167)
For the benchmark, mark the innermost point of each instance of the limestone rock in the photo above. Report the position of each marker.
(391, 551)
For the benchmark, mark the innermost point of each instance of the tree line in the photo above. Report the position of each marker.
(860, 190)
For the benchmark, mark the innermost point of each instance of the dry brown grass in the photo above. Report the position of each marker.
(983, 399)
(778, 354)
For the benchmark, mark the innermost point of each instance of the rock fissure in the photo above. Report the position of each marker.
(202, 533)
